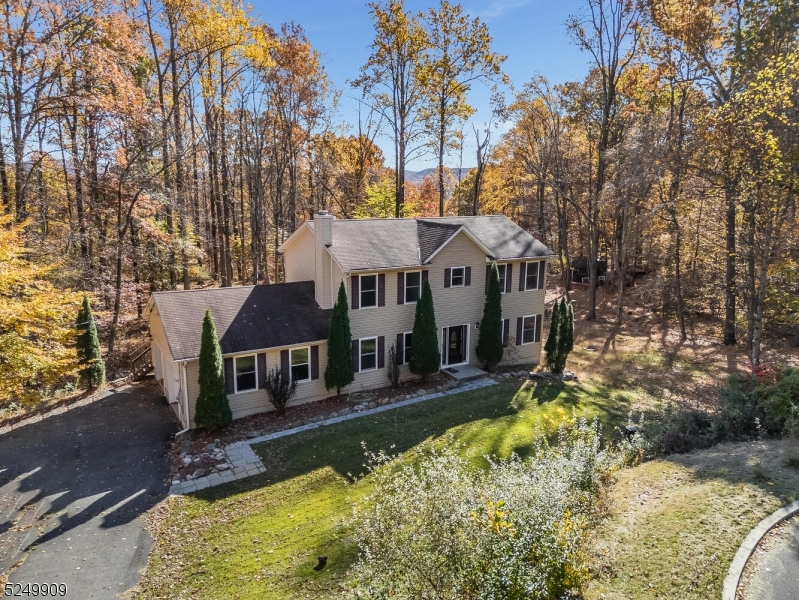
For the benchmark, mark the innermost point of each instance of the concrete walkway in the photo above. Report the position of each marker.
(245, 461)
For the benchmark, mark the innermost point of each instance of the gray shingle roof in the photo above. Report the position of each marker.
(392, 243)
(247, 318)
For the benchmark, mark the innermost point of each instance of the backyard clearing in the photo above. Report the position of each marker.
(260, 537)
(675, 523)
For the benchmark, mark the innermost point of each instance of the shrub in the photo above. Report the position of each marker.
(92, 367)
(425, 356)
(338, 373)
(212, 406)
(393, 370)
(281, 389)
(780, 401)
(489, 341)
(519, 529)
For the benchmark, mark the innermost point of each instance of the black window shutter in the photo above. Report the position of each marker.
(508, 278)
(284, 363)
(505, 332)
(537, 328)
(542, 268)
(315, 362)
(522, 276)
(488, 276)
(468, 278)
(262, 370)
(400, 288)
(381, 289)
(356, 291)
(424, 276)
(229, 388)
(400, 348)
(381, 352)
(447, 277)
(519, 331)
(356, 357)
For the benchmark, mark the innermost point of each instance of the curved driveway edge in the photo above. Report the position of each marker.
(733, 577)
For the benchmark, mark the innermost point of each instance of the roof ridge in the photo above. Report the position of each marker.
(232, 287)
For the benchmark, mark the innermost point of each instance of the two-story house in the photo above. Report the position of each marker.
(383, 264)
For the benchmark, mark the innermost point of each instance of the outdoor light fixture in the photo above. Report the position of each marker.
(477, 325)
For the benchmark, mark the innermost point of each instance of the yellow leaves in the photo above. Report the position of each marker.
(36, 324)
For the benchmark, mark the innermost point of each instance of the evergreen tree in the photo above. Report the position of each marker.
(489, 342)
(552, 344)
(566, 338)
(92, 371)
(339, 373)
(213, 409)
(425, 357)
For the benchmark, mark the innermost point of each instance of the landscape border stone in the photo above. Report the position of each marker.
(747, 548)
(246, 462)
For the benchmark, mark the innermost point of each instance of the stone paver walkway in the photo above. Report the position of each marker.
(245, 462)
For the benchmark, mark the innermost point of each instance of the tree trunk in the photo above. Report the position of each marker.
(729, 274)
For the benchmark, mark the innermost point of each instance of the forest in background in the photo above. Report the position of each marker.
(150, 146)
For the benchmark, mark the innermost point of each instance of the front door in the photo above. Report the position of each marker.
(454, 345)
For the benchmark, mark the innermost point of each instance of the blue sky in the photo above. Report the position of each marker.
(530, 32)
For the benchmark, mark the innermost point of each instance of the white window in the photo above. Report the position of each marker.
(407, 350)
(529, 329)
(300, 364)
(368, 291)
(531, 280)
(246, 376)
(413, 286)
(501, 269)
(368, 354)
(458, 277)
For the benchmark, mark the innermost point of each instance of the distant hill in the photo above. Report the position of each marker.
(418, 176)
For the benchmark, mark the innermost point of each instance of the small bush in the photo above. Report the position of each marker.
(281, 389)
(440, 529)
(780, 401)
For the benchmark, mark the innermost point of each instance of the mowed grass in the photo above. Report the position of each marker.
(676, 523)
(260, 538)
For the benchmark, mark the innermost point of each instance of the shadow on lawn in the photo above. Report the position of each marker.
(502, 407)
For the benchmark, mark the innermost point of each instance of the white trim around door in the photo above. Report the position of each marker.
(445, 345)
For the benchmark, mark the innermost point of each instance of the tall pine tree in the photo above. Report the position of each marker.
(338, 373)
(213, 408)
(425, 357)
(566, 338)
(489, 343)
(552, 345)
(92, 371)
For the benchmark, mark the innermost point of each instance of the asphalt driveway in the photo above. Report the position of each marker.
(72, 489)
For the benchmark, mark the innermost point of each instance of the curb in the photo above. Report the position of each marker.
(746, 550)
(245, 462)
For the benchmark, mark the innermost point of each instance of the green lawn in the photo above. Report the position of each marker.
(260, 538)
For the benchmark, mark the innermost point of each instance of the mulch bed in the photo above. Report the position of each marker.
(271, 422)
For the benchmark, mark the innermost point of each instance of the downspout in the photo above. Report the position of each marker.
(185, 394)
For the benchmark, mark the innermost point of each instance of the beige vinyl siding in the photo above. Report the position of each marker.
(257, 401)
(299, 257)
(454, 306)
(521, 304)
(167, 371)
